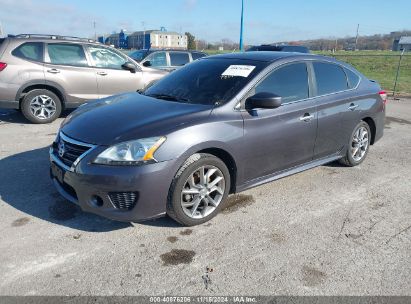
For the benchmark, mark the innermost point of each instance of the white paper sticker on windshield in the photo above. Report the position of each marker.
(238, 70)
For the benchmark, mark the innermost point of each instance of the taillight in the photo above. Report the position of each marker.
(383, 96)
(2, 66)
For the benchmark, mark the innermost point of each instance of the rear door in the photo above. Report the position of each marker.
(67, 67)
(338, 111)
(283, 137)
(111, 77)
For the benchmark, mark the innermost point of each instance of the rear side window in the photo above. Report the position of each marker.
(67, 54)
(1, 41)
(290, 82)
(178, 59)
(197, 55)
(158, 59)
(353, 79)
(330, 78)
(29, 50)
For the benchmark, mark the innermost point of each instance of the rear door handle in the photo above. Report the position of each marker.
(306, 117)
(102, 73)
(53, 71)
(352, 107)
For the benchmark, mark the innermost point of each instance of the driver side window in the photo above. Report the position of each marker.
(106, 58)
(289, 81)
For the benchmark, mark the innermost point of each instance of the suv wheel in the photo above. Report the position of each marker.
(41, 106)
(358, 146)
(198, 190)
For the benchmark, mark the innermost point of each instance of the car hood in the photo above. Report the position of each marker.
(129, 116)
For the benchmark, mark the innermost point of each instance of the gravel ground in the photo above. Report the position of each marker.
(331, 230)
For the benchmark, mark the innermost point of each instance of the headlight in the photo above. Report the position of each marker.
(131, 152)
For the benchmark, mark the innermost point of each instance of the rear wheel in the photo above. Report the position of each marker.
(358, 146)
(198, 190)
(41, 106)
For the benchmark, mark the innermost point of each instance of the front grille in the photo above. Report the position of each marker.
(124, 200)
(72, 150)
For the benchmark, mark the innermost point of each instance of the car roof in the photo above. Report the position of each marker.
(51, 38)
(168, 50)
(265, 56)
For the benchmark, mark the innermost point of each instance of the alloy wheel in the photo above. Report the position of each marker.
(360, 143)
(203, 191)
(43, 107)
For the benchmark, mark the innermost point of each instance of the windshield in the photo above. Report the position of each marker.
(206, 81)
(138, 55)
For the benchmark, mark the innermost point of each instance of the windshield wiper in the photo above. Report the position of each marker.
(168, 97)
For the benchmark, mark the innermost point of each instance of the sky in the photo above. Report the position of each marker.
(265, 21)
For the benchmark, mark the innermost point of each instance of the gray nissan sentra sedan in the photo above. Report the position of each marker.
(220, 125)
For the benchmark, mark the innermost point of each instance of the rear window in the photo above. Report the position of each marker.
(29, 50)
(67, 54)
(178, 59)
(330, 78)
(197, 55)
(353, 79)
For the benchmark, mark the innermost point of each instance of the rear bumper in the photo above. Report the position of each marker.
(14, 104)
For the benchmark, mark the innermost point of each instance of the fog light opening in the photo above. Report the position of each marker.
(97, 201)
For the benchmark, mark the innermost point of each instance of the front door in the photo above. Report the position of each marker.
(68, 69)
(283, 137)
(111, 77)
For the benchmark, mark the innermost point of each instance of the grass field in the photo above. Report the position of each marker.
(377, 65)
(380, 66)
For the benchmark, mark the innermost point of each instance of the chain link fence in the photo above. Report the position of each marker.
(392, 70)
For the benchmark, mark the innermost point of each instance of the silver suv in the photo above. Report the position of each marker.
(43, 74)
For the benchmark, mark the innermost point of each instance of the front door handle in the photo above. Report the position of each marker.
(53, 71)
(352, 107)
(306, 117)
(102, 73)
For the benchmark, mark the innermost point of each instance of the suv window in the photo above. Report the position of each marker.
(290, 82)
(67, 54)
(353, 78)
(197, 55)
(330, 78)
(158, 59)
(178, 59)
(30, 51)
(106, 58)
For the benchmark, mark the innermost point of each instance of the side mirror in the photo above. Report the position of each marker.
(147, 63)
(263, 100)
(129, 67)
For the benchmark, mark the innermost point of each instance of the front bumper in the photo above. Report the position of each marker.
(86, 182)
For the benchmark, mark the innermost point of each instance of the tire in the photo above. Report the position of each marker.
(351, 159)
(205, 210)
(41, 106)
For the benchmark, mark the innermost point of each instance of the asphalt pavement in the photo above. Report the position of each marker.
(331, 230)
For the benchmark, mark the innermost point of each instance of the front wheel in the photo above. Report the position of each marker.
(41, 106)
(358, 146)
(198, 190)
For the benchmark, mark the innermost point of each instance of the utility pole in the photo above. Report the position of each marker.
(241, 26)
(144, 34)
(95, 32)
(2, 33)
(356, 37)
